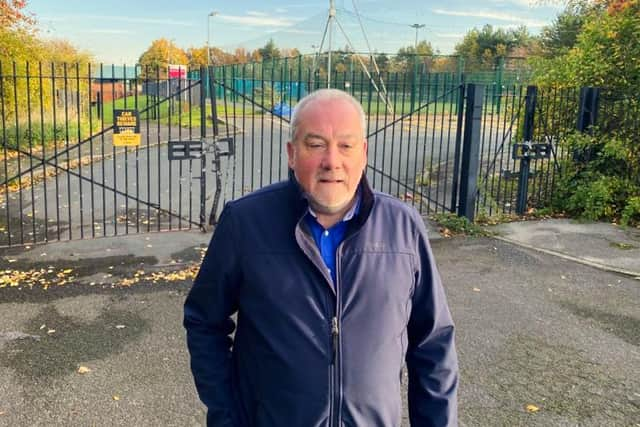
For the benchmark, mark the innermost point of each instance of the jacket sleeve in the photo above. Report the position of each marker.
(432, 362)
(207, 311)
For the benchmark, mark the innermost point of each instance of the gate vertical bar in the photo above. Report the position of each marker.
(523, 179)
(54, 101)
(470, 151)
(19, 160)
(44, 151)
(5, 151)
(204, 87)
(31, 175)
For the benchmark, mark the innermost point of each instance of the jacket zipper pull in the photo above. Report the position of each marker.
(335, 332)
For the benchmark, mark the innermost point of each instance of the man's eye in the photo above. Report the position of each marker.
(346, 146)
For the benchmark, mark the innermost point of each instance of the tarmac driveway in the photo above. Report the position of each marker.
(542, 342)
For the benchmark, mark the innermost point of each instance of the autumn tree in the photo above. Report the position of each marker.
(159, 55)
(269, 51)
(407, 57)
(12, 14)
(241, 56)
(481, 48)
(197, 57)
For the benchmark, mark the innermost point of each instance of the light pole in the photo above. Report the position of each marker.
(417, 27)
(209, 16)
(415, 66)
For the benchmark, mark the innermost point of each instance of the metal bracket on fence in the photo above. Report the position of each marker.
(218, 148)
(185, 150)
(531, 150)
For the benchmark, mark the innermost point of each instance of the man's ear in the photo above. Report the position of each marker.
(290, 154)
(365, 147)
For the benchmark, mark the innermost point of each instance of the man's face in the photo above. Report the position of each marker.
(328, 154)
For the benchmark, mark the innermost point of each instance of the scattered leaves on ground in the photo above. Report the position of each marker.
(531, 408)
(44, 277)
(50, 276)
(83, 370)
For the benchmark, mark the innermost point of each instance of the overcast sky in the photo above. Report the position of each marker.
(119, 31)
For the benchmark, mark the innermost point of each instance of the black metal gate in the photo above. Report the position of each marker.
(212, 135)
(414, 129)
(63, 178)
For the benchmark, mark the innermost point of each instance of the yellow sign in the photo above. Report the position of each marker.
(126, 129)
(126, 139)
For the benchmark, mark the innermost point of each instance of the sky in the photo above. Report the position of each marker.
(120, 31)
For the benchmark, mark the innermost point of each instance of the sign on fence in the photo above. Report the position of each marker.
(177, 71)
(126, 129)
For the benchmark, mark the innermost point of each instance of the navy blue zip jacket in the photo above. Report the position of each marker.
(308, 354)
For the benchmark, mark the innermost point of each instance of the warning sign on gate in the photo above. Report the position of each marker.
(126, 128)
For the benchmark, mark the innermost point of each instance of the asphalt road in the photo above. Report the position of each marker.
(532, 329)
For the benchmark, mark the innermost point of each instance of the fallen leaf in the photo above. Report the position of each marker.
(42, 327)
(563, 277)
(120, 326)
(83, 370)
(532, 408)
(476, 289)
(67, 271)
(116, 397)
(51, 331)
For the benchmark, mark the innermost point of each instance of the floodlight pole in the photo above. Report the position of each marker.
(417, 27)
(332, 15)
(209, 16)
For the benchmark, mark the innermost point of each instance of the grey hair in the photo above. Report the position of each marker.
(325, 95)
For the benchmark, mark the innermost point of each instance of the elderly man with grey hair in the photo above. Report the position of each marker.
(335, 288)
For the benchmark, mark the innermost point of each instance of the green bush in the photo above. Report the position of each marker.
(631, 212)
(46, 135)
(454, 224)
(602, 182)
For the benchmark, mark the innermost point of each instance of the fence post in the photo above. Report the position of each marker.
(588, 108)
(523, 179)
(456, 155)
(471, 151)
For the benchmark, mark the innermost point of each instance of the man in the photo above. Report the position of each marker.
(333, 285)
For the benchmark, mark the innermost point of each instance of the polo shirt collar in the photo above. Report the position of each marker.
(353, 211)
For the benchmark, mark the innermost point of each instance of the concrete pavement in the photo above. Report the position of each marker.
(602, 245)
(543, 340)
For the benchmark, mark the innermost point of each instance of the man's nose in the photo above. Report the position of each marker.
(331, 157)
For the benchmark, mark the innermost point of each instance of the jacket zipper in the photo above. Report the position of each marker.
(333, 368)
(335, 329)
(335, 332)
(335, 373)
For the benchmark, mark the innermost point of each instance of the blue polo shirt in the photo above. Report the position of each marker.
(329, 239)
